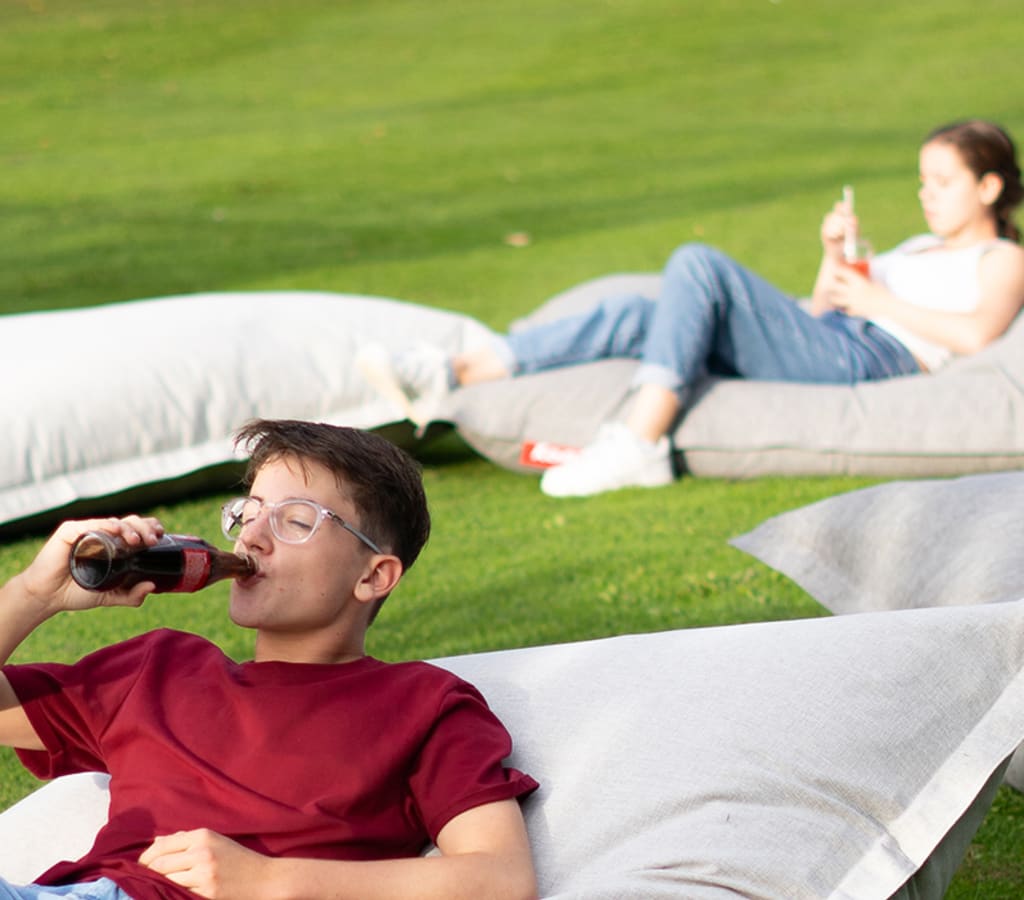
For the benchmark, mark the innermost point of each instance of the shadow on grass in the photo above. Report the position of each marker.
(88, 252)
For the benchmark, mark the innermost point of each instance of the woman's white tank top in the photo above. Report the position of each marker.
(944, 280)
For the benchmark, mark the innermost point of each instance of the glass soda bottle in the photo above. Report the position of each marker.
(176, 564)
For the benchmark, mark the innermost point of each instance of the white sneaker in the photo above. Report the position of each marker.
(617, 458)
(415, 379)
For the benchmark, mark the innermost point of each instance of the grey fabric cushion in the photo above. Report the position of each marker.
(805, 759)
(933, 542)
(904, 544)
(965, 418)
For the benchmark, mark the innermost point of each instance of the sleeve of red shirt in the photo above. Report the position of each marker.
(67, 710)
(461, 763)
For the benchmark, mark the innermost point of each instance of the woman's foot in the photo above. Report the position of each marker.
(617, 458)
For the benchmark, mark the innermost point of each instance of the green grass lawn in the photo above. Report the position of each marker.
(156, 147)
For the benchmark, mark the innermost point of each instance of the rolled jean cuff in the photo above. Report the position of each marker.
(662, 376)
(503, 350)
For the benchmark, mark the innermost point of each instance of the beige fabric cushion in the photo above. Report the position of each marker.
(904, 544)
(114, 398)
(806, 759)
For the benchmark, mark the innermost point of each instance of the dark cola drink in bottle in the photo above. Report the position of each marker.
(176, 564)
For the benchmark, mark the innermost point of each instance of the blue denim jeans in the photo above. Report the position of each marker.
(714, 316)
(103, 889)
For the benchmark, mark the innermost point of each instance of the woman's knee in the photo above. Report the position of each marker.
(694, 260)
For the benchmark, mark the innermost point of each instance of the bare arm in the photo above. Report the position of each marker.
(44, 589)
(484, 854)
(1001, 276)
(820, 297)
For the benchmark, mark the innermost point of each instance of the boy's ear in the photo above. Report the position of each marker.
(380, 578)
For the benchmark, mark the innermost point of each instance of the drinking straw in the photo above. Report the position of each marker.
(850, 238)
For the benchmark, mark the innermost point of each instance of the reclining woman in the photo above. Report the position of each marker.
(935, 296)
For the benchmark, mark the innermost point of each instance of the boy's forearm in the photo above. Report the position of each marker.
(214, 866)
(20, 615)
(473, 876)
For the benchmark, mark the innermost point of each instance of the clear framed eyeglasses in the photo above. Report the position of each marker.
(291, 521)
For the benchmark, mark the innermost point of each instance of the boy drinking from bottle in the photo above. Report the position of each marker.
(312, 770)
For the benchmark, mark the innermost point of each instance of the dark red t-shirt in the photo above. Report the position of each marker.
(362, 760)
